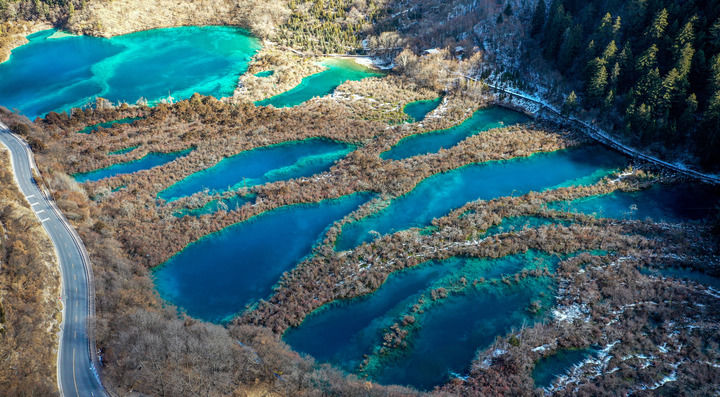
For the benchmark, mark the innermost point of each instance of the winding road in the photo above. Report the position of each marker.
(77, 356)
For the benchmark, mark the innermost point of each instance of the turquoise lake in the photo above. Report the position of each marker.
(417, 110)
(441, 193)
(671, 203)
(153, 64)
(147, 162)
(431, 142)
(550, 367)
(350, 329)
(215, 277)
(321, 84)
(262, 165)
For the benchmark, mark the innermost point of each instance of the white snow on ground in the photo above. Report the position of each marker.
(541, 349)
(487, 362)
(373, 62)
(571, 313)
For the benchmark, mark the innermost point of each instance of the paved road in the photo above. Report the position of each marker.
(76, 361)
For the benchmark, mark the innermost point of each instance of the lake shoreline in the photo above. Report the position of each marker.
(19, 39)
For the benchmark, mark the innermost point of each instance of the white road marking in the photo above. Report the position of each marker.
(31, 196)
(44, 220)
(34, 204)
(40, 212)
(77, 391)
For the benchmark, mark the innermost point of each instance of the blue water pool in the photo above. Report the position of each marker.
(321, 84)
(453, 331)
(343, 332)
(550, 367)
(439, 194)
(92, 128)
(262, 165)
(123, 151)
(218, 275)
(265, 73)
(417, 110)
(433, 141)
(671, 203)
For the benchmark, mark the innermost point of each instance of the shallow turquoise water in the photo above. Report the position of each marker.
(439, 194)
(92, 128)
(230, 204)
(123, 151)
(671, 203)
(417, 110)
(454, 330)
(320, 84)
(433, 141)
(218, 275)
(265, 73)
(262, 165)
(548, 368)
(152, 64)
(148, 161)
(342, 332)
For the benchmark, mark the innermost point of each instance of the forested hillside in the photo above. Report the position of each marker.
(329, 26)
(651, 67)
(30, 10)
(29, 286)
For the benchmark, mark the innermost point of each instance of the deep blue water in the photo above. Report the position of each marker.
(417, 110)
(262, 165)
(439, 194)
(218, 275)
(148, 161)
(453, 331)
(152, 64)
(671, 203)
(550, 367)
(342, 332)
(431, 142)
(320, 84)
